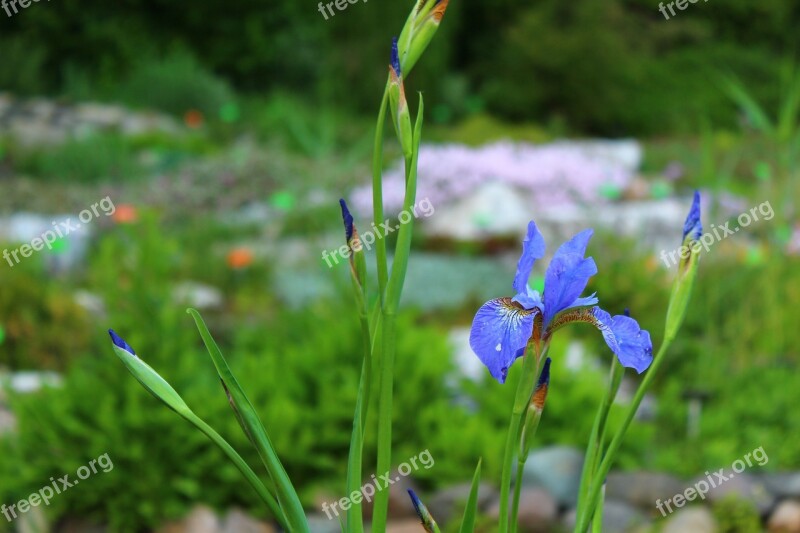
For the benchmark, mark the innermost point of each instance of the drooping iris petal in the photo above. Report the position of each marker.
(499, 334)
(627, 340)
(630, 343)
(693, 227)
(532, 249)
(567, 275)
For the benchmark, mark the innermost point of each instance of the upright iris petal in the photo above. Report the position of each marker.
(567, 276)
(499, 334)
(533, 248)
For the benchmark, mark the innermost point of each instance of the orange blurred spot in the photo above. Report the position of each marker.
(125, 214)
(193, 118)
(239, 258)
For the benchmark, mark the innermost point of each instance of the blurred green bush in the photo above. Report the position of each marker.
(600, 66)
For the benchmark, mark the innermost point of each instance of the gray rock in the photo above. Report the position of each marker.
(742, 485)
(34, 521)
(319, 523)
(557, 469)
(400, 505)
(618, 517)
(493, 209)
(197, 295)
(237, 521)
(696, 519)
(783, 484)
(786, 517)
(30, 381)
(409, 525)
(538, 511)
(642, 489)
(201, 519)
(448, 504)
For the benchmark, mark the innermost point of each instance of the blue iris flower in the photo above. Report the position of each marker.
(502, 327)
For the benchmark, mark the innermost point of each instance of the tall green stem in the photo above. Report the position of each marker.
(377, 193)
(587, 507)
(597, 437)
(525, 386)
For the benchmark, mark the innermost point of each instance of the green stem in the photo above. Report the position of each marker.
(354, 517)
(597, 437)
(377, 193)
(384, 420)
(243, 467)
(524, 390)
(517, 493)
(593, 498)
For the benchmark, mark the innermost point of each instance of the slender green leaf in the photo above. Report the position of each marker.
(255, 431)
(471, 510)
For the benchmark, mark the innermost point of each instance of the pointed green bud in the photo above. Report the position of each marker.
(534, 412)
(427, 24)
(149, 378)
(424, 515)
(401, 116)
(687, 270)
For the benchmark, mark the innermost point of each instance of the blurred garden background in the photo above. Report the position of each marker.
(224, 133)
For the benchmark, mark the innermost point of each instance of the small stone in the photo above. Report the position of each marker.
(697, 519)
(642, 489)
(448, 504)
(618, 517)
(400, 505)
(34, 521)
(237, 521)
(201, 519)
(558, 470)
(744, 486)
(538, 510)
(404, 526)
(785, 518)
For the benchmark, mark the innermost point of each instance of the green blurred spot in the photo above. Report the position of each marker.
(283, 200)
(754, 256)
(2, 334)
(229, 112)
(60, 246)
(762, 171)
(481, 220)
(783, 234)
(660, 190)
(537, 283)
(609, 191)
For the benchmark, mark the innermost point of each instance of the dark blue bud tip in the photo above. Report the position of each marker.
(120, 343)
(693, 226)
(395, 57)
(544, 377)
(627, 311)
(414, 500)
(348, 220)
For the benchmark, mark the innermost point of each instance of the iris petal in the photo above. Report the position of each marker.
(499, 334)
(532, 249)
(567, 275)
(630, 343)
